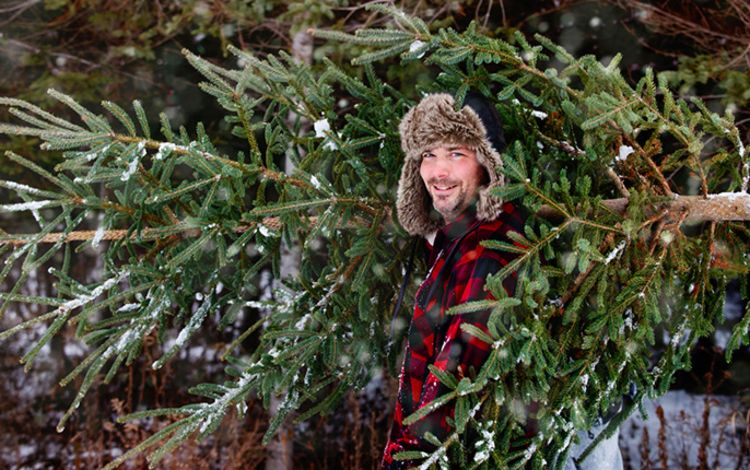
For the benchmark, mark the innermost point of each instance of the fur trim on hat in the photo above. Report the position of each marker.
(434, 122)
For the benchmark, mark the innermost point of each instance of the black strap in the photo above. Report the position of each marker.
(402, 291)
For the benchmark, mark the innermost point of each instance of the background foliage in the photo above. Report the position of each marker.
(387, 97)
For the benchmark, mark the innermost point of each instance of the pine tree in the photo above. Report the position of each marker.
(640, 202)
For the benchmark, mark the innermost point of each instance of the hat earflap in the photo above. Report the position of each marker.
(413, 203)
(490, 206)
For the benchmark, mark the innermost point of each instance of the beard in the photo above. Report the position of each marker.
(450, 206)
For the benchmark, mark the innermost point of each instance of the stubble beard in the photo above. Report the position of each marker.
(450, 207)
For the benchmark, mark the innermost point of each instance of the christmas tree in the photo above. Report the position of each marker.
(639, 200)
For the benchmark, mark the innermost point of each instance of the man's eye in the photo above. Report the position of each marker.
(457, 154)
(428, 155)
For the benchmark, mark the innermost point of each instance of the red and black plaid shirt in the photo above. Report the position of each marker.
(436, 338)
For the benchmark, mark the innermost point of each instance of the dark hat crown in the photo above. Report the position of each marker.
(493, 124)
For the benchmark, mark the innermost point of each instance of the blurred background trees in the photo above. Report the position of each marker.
(123, 50)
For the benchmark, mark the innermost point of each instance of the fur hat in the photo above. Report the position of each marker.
(433, 122)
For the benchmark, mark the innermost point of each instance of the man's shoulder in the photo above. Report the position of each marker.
(512, 218)
(474, 254)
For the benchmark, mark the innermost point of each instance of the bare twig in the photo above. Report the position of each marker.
(662, 440)
(712, 30)
(618, 182)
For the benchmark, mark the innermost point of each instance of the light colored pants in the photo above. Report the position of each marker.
(605, 456)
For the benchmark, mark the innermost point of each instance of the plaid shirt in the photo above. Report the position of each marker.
(436, 338)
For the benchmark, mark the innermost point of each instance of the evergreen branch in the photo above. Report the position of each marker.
(32, 119)
(249, 133)
(579, 280)
(440, 452)
(430, 407)
(96, 123)
(75, 303)
(606, 116)
(473, 306)
(41, 172)
(641, 291)
(201, 418)
(650, 162)
(183, 150)
(722, 207)
(191, 249)
(24, 189)
(381, 54)
(121, 116)
(34, 205)
(161, 198)
(612, 426)
(196, 320)
(478, 332)
(140, 114)
(740, 334)
(116, 234)
(436, 455)
(518, 261)
(565, 146)
(113, 300)
(145, 444)
(32, 299)
(293, 206)
(364, 37)
(596, 225)
(42, 113)
(230, 347)
(45, 134)
(554, 207)
(674, 130)
(28, 323)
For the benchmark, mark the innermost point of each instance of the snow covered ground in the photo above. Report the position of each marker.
(685, 432)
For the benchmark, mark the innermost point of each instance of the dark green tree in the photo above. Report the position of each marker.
(640, 200)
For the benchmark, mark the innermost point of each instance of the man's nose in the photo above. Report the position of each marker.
(442, 168)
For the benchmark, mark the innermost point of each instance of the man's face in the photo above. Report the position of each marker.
(452, 176)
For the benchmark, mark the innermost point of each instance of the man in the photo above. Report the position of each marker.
(452, 162)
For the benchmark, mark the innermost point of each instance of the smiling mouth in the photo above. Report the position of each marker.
(444, 188)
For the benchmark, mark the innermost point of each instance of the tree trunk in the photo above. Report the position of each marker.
(722, 207)
(280, 449)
